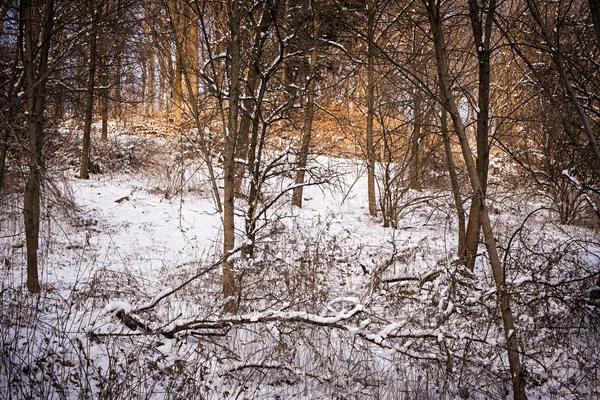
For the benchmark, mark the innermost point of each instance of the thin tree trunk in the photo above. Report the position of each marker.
(192, 42)
(162, 86)
(229, 283)
(251, 104)
(89, 103)
(482, 35)
(4, 148)
(460, 211)
(195, 110)
(104, 93)
(449, 102)
(308, 118)
(104, 105)
(370, 114)
(415, 141)
(151, 73)
(176, 12)
(35, 121)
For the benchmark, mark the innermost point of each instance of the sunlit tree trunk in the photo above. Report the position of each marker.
(308, 117)
(150, 73)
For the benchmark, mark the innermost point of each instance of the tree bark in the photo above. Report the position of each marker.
(370, 114)
(229, 280)
(36, 103)
(89, 101)
(482, 35)
(176, 12)
(418, 118)
(302, 162)
(460, 211)
(415, 141)
(150, 72)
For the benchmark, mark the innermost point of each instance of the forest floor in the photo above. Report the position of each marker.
(332, 304)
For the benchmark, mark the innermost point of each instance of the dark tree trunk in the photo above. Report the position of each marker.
(370, 115)
(482, 35)
(460, 211)
(302, 161)
(229, 282)
(89, 101)
(35, 81)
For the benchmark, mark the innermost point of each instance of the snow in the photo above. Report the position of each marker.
(311, 313)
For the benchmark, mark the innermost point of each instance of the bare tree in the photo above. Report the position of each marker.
(309, 111)
(89, 100)
(38, 21)
(482, 17)
(231, 136)
(371, 158)
(449, 102)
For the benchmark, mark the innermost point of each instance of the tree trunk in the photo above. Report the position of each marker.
(449, 102)
(370, 115)
(250, 104)
(104, 81)
(308, 118)
(460, 211)
(189, 76)
(35, 122)
(162, 85)
(89, 102)
(482, 35)
(4, 149)
(151, 73)
(415, 141)
(229, 283)
(176, 11)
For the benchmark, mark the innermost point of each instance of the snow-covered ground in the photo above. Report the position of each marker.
(332, 305)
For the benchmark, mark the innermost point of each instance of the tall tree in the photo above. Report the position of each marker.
(448, 100)
(481, 16)
(371, 158)
(231, 135)
(89, 100)
(38, 22)
(309, 111)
